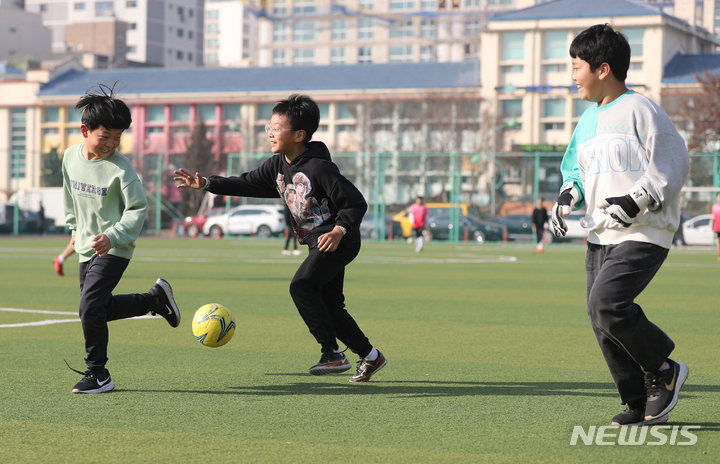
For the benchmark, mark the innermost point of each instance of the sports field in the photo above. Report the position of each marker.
(490, 360)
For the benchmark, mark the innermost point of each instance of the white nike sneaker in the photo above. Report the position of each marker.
(94, 383)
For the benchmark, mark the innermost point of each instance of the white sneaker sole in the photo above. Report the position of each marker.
(682, 376)
(104, 389)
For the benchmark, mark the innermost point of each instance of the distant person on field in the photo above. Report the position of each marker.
(326, 213)
(540, 223)
(418, 217)
(60, 259)
(290, 233)
(627, 163)
(41, 220)
(716, 223)
(105, 209)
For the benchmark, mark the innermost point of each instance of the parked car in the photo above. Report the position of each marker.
(519, 226)
(574, 229)
(393, 229)
(478, 230)
(697, 231)
(27, 220)
(403, 217)
(194, 224)
(260, 220)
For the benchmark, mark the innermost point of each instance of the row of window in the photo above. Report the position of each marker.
(552, 108)
(280, 8)
(396, 54)
(556, 44)
(306, 31)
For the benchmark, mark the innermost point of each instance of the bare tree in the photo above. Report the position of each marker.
(699, 114)
(198, 158)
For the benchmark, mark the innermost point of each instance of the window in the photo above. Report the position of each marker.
(365, 55)
(50, 131)
(132, 48)
(339, 27)
(181, 33)
(346, 110)
(43, 7)
(17, 144)
(427, 28)
(180, 113)
(367, 4)
(179, 55)
(212, 29)
(211, 58)
(73, 115)
(150, 131)
(51, 114)
(472, 3)
(304, 31)
(428, 4)
(324, 108)
(131, 4)
(132, 26)
(556, 45)
(511, 108)
(264, 111)
(635, 38)
(401, 29)
(304, 7)
(512, 69)
(337, 55)
(400, 53)
(278, 58)
(554, 108)
(155, 113)
(549, 126)
(304, 57)
(426, 53)
(555, 68)
(473, 28)
(212, 44)
(365, 29)
(231, 112)
(190, 34)
(579, 106)
(401, 5)
(513, 46)
(103, 9)
(636, 66)
(279, 32)
(79, 6)
(499, 2)
(212, 14)
(206, 112)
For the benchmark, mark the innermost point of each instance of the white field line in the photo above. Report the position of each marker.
(48, 321)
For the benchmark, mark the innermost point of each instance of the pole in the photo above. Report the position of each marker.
(492, 175)
(158, 193)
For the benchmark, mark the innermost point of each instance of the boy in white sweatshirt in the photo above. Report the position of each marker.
(627, 163)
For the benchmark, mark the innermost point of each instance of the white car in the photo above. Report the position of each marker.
(697, 231)
(259, 220)
(575, 230)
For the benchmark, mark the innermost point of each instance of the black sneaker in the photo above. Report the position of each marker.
(634, 415)
(663, 389)
(94, 383)
(366, 369)
(330, 363)
(167, 307)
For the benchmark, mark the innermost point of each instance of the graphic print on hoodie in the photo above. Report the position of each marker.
(306, 210)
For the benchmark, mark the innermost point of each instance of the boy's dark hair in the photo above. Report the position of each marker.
(100, 107)
(602, 44)
(302, 113)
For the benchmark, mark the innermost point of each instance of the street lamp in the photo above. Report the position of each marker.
(509, 123)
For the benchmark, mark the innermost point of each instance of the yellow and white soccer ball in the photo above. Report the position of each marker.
(213, 325)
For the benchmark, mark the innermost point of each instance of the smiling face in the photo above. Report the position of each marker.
(587, 81)
(100, 143)
(284, 140)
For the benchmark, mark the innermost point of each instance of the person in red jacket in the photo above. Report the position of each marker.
(418, 213)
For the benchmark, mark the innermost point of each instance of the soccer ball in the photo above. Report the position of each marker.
(213, 325)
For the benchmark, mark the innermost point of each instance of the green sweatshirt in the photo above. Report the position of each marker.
(102, 197)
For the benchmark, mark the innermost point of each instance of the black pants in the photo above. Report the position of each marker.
(98, 278)
(317, 290)
(630, 343)
(290, 236)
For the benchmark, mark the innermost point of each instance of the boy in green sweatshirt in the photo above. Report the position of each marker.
(105, 209)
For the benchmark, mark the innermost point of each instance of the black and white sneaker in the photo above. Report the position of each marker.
(167, 307)
(634, 415)
(663, 389)
(94, 383)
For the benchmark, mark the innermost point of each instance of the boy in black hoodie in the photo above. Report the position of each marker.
(326, 213)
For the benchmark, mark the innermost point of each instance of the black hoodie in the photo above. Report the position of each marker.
(318, 196)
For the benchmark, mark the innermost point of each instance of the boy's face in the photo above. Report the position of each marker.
(100, 143)
(588, 81)
(284, 140)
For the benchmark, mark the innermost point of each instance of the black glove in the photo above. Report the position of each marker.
(625, 209)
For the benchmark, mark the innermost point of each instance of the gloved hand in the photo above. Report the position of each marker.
(563, 206)
(625, 209)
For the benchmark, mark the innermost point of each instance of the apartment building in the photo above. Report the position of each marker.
(526, 69)
(159, 32)
(230, 34)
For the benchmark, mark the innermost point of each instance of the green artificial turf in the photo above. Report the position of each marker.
(491, 359)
